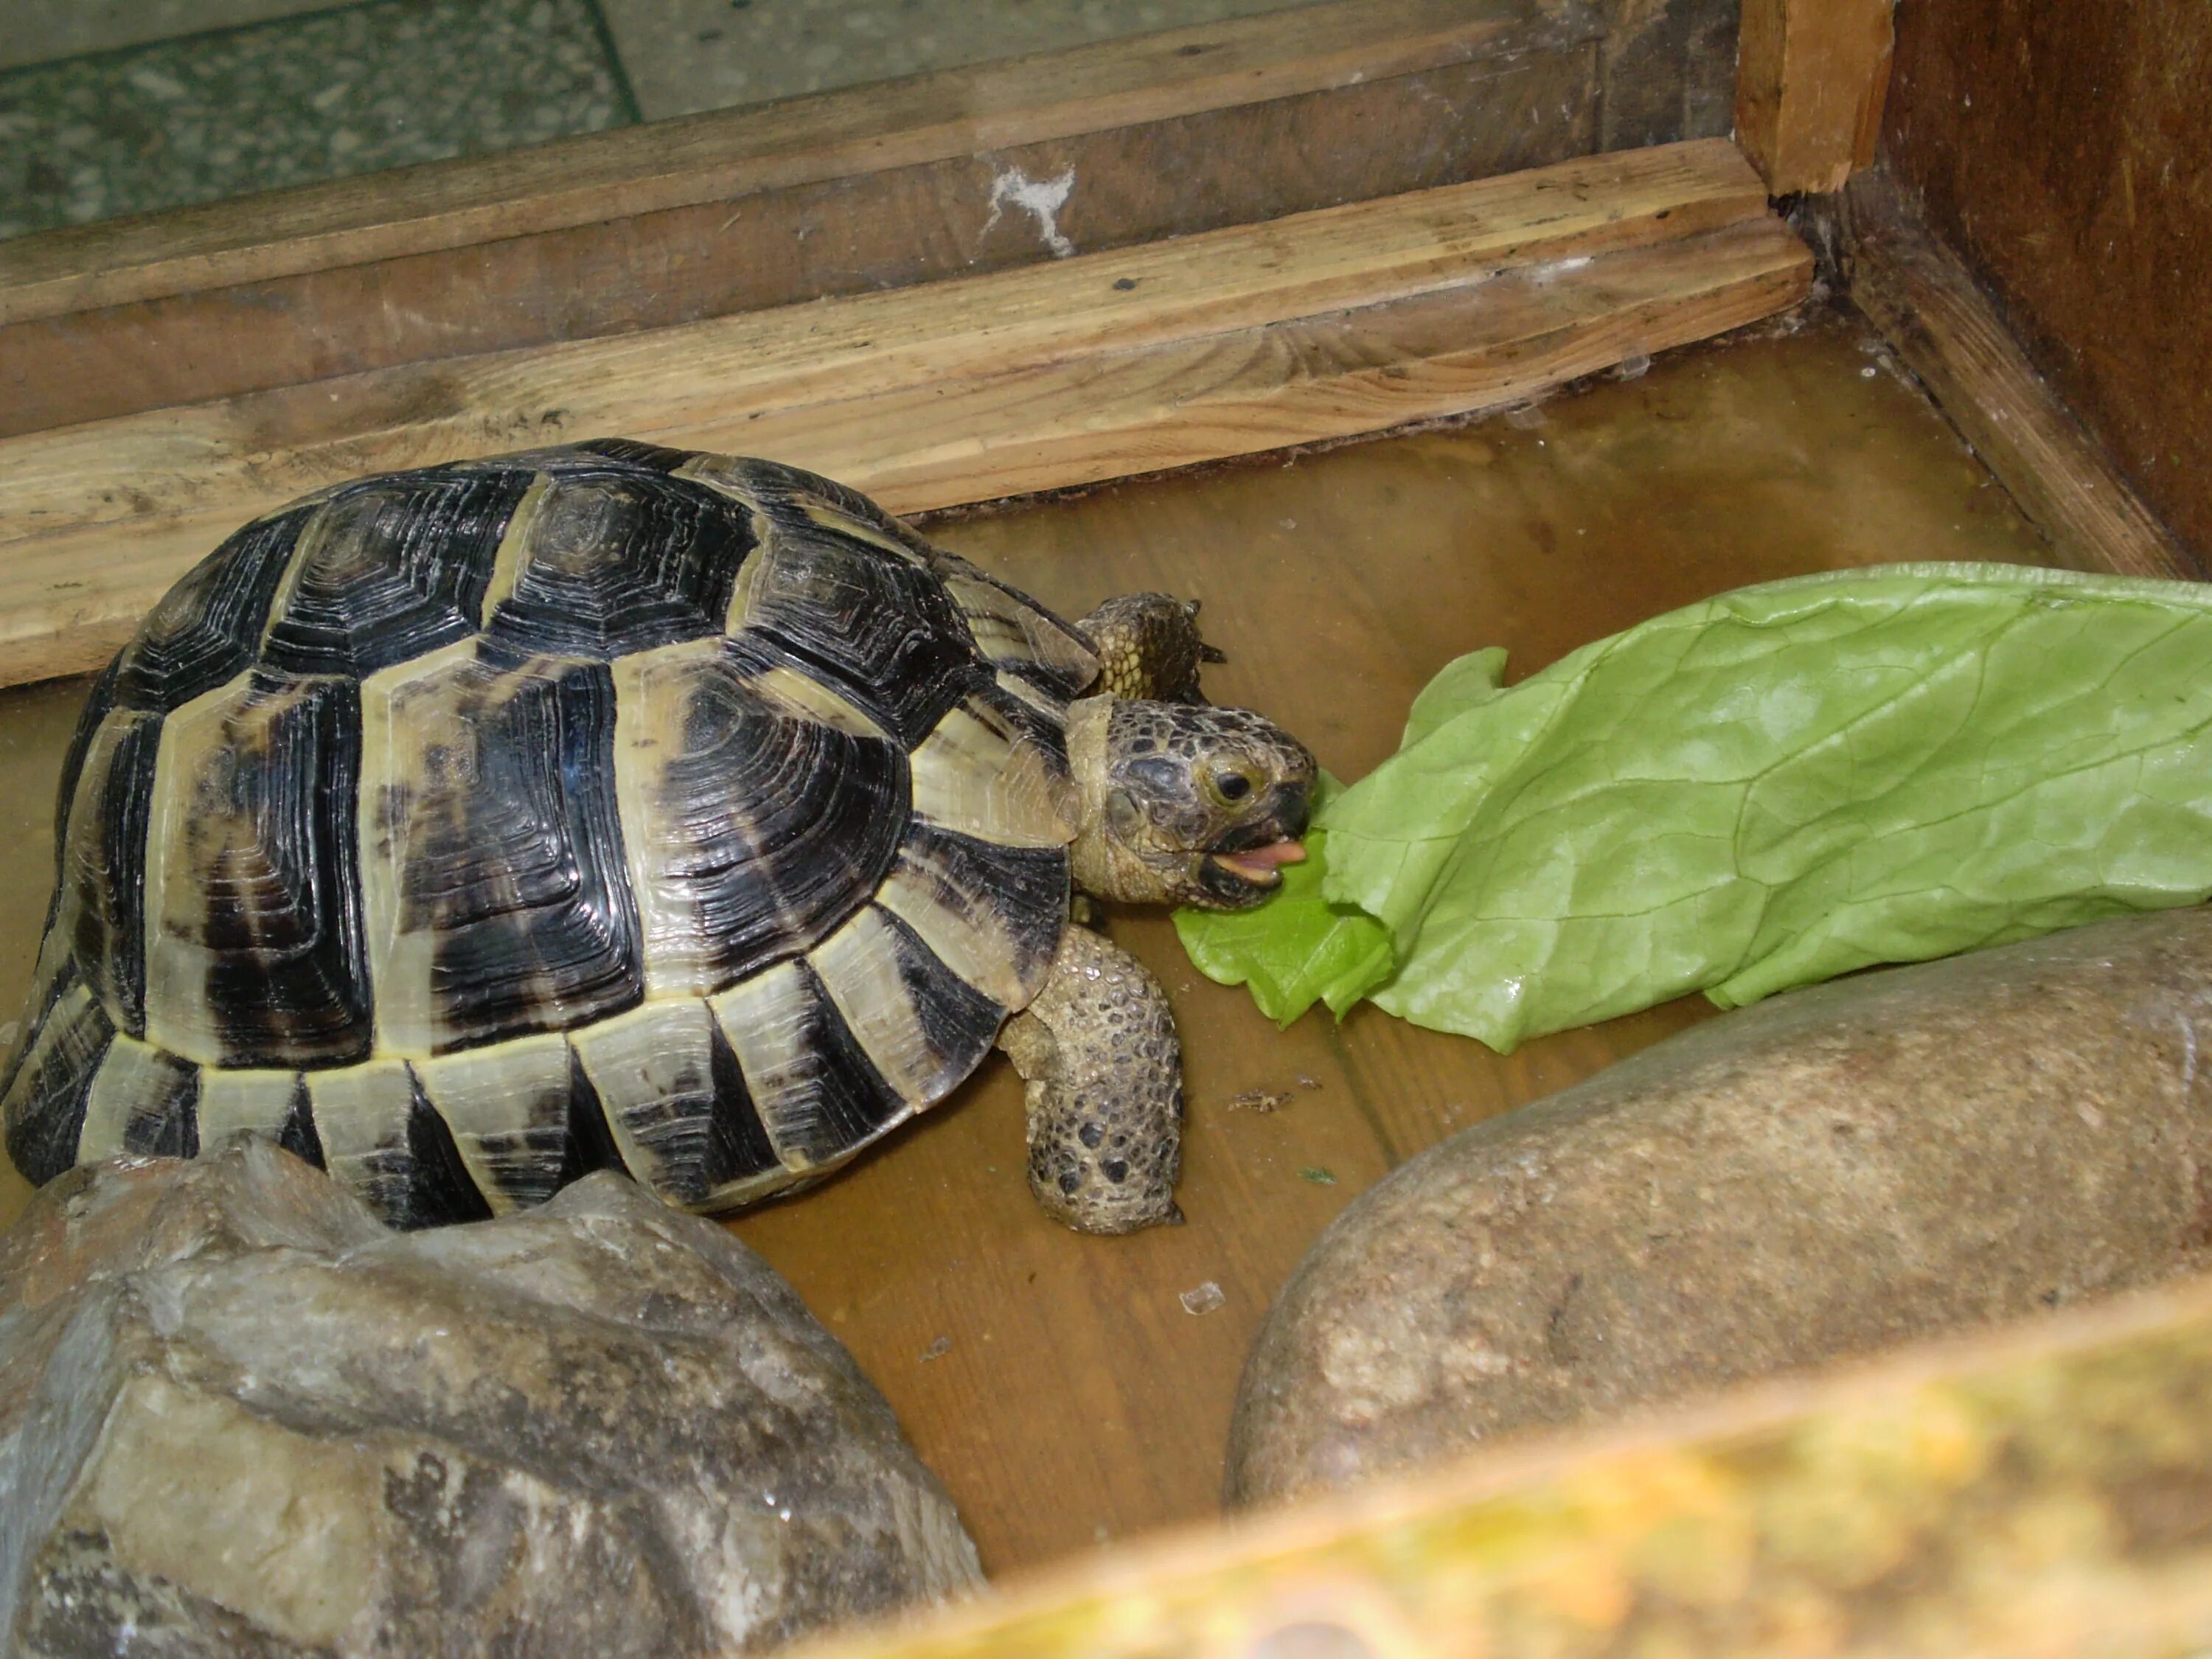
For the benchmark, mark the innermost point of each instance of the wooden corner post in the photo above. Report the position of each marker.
(1810, 77)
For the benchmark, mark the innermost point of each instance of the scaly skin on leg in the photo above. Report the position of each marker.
(1148, 647)
(1098, 1051)
(1181, 803)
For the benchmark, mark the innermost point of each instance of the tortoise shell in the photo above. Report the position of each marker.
(468, 828)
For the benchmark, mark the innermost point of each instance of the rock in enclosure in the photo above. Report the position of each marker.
(238, 1417)
(1830, 1172)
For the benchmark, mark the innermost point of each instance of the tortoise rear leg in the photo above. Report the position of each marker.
(1098, 1051)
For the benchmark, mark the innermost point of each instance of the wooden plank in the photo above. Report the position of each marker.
(1923, 297)
(2040, 1489)
(858, 233)
(1297, 381)
(1090, 367)
(1810, 79)
(725, 154)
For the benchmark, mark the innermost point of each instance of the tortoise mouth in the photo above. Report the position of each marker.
(1261, 865)
(1246, 863)
(1234, 880)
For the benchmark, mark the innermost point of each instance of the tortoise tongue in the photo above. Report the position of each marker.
(1259, 863)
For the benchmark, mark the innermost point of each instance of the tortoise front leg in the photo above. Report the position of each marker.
(1098, 1051)
(1149, 648)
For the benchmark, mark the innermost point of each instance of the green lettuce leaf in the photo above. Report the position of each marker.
(1297, 949)
(1772, 787)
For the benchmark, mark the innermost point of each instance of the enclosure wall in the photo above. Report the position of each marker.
(2063, 150)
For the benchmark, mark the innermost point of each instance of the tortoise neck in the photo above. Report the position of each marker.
(1101, 864)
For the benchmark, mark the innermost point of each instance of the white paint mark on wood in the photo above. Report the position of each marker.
(1041, 198)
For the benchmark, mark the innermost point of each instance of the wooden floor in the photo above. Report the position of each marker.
(1057, 1383)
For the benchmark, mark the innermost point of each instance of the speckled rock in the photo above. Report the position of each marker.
(238, 1417)
(1829, 1172)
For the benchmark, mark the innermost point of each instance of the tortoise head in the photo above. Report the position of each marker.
(1184, 804)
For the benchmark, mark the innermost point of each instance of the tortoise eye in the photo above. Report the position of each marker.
(1232, 786)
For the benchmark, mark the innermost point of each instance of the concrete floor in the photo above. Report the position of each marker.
(118, 107)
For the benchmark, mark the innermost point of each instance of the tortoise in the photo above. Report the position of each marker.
(471, 828)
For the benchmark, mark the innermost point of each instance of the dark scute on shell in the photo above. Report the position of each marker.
(394, 568)
(737, 1143)
(1057, 656)
(270, 844)
(1025, 888)
(833, 1098)
(165, 1122)
(97, 702)
(298, 1135)
(656, 458)
(208, 628)
(703, 1132)
(785, 489)
(44, 1098)
(669, 1081)
(414, 1177)
(1053, 685)
(590, 1146)
(619, 558)
(959, 1022)
(438, 1188)
(786, 825)
(516, 862)
(103, 871)
(884, 630)
(513, 1114)
(1045, 734)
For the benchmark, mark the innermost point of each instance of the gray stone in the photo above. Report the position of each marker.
(239, 1417)
(1827, 1174)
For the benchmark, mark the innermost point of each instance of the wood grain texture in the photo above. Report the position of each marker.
(1810, 79)
(724, 156)
(1924, 298)
(2039, 1489)
(2063, 151)
(1347, 320)
(855, 233)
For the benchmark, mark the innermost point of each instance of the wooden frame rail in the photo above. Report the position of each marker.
(874, 187)
(716, 157)
(1811, 76)
(2038, 1489)
(1324, 325)
(884, 186)
(914, 180)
